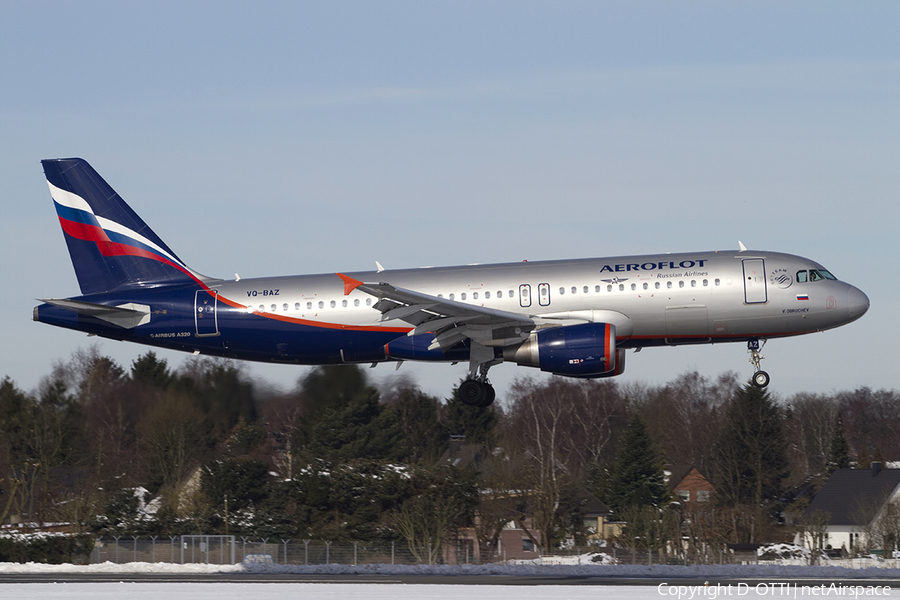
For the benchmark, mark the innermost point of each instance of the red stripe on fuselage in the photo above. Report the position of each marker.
(106, 247)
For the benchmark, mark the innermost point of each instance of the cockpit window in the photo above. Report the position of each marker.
(814, 275)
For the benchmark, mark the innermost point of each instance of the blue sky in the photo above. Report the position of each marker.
(287, 137)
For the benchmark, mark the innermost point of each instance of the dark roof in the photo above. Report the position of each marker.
(463, 455)
(852, 495)
(678, 473)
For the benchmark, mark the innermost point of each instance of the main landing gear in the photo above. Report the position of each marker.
(476, 390)
(760, 378)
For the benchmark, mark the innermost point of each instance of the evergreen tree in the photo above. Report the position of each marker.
(476, 424)
(839, 454)
(751, 450)
(425, 437)
(364, 428)
(637, 478)
(147, 369)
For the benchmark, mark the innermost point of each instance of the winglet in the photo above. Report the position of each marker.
(350, 284)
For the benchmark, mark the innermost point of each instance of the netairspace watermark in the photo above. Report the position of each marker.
(771, 590)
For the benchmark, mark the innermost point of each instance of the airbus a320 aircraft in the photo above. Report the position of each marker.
(574, 318)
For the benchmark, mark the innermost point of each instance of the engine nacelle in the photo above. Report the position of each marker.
(587, 350)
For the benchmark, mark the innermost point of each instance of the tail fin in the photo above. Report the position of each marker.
(110, 246)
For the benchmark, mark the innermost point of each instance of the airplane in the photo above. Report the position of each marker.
(575, 318)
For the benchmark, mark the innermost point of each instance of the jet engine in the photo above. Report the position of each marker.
(587, 350)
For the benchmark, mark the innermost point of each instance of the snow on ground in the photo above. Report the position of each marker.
(675, 572)
(311, 591)
(671, 582)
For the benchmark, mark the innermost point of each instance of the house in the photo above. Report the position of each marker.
(852, 504)
(688, 485)
(463, 455)
(598, 518)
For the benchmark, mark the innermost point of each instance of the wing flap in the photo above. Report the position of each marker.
(450, 321)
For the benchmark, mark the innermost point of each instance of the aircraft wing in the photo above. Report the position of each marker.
(451, 322)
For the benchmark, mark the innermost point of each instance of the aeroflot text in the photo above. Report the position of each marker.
(652, 266)
(777, 590)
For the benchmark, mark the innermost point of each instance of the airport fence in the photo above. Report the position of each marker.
(229, 549)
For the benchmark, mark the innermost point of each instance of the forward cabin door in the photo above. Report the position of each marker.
(755, 281)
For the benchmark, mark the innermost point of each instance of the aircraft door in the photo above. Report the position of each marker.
(206, 318)
(524, 295)
(544, 294)
(754, 281)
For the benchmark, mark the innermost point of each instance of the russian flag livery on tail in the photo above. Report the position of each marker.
(110, 245)
(564, 317)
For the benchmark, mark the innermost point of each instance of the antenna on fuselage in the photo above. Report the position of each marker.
(742, 246)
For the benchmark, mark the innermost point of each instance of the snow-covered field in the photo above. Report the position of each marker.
(671, 582)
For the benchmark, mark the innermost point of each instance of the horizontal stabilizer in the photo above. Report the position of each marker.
(127, 316)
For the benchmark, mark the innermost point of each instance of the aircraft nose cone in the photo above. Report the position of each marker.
(857, 302)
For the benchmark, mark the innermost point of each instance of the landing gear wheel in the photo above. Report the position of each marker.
(476, 393)
(760, 379)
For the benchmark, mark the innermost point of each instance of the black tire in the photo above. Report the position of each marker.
(489, 396)
(473, 393)
(760, 379)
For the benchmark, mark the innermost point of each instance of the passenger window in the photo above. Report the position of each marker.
(356, 302)
(621, 287)
(344, 303)
(646, 286)
(474, 295)
(462, 296)
(633, 286)
(274, 308)
(717, 281)
(609, 288)
(452, 297)
(284, 307)
(574, 289)
(562, 291)
(801, 276)
(333, 304)
(681, 283)
(669, 284)
(296, 306)
(487, 295)
(585, 289)
(512, 294)
(706, 283)
(597, 289)
(657, 285)
(321, 304)
(368, 302)
(262, 308)
(309, 306)
(693, 283)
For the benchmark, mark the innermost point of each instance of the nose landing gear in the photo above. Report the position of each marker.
(760, 378)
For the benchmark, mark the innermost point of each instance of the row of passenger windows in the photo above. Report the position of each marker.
(309, 305)
(544, 292)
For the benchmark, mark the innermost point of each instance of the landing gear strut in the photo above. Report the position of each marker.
(760, 378)
(476, 390)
